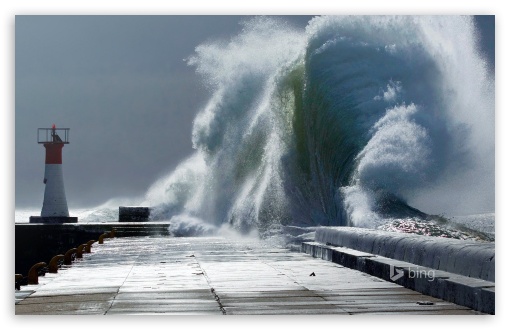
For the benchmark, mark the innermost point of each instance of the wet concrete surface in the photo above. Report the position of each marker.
(215, 276)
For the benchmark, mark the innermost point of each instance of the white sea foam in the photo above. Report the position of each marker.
(315, 127)
(355, 120)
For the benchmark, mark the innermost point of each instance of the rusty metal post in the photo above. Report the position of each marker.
(53, 266)
(79, 250)
(68, 257)
(89, 243)
(17, 281)
(101, 238)
(33, 276)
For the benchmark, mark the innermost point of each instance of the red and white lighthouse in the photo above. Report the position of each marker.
(54, 208)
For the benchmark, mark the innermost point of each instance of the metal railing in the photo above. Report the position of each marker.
(53, 135)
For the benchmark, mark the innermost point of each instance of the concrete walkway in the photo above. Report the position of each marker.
(167, 275)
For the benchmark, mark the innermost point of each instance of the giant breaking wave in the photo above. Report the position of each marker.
(354, 121)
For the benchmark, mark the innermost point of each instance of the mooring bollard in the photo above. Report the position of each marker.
(103, 235)
(88, 244)
(68, 257)
(79, 250)
(53, 266)
(17, 281)
(33, 275)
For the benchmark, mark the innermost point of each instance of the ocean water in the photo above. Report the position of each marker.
(93, 214)
(479, 227)
(370, 121)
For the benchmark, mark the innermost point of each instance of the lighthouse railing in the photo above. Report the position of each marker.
(44, 135)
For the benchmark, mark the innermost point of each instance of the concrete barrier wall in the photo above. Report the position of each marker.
(463, 257)
(474, 293)
(134, 213)
(40, 242)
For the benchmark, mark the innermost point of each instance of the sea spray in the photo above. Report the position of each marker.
(359, 120)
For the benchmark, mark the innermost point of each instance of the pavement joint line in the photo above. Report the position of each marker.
(316, 293)
(213, 291)
(118, 289)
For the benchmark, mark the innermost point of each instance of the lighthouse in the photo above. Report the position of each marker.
(54, 208)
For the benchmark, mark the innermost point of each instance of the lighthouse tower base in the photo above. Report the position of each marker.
(38, 219)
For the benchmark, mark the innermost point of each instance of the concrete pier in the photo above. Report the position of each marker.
(169, 275)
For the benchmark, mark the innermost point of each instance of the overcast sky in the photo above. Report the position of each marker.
(120, 83)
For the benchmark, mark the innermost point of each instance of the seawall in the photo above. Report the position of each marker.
(467, 258)
(458, 271)
(40, 242)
